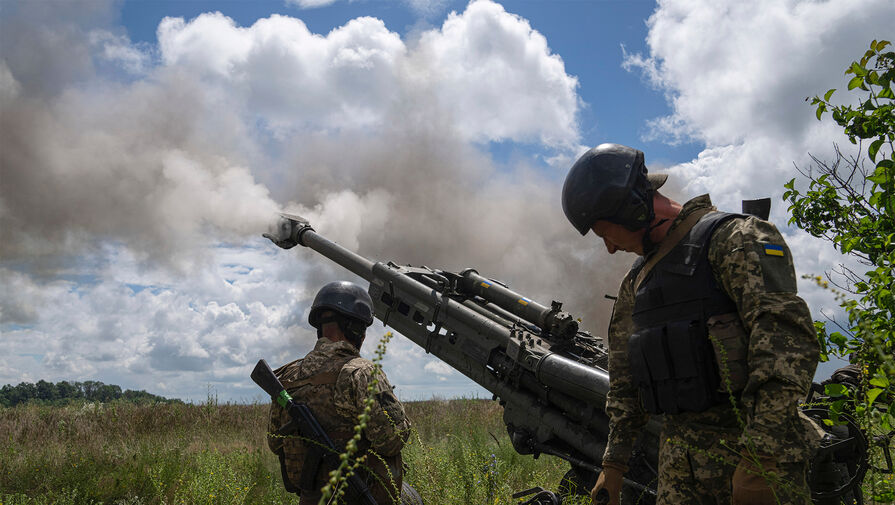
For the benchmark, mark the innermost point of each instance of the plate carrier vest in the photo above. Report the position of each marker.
(672, 358)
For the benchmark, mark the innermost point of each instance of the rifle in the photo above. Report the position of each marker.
(305, 423)
(549, 376)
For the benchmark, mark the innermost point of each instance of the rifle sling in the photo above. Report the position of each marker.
(310, 467)
(287, 484)
(670, 241)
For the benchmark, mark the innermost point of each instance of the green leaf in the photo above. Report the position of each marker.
(880, 380)
(874, 147)
(835, 390)
(855, 82)
(820, 110)
(887, 422)
(858, 69)
(872, 394)
(829, 94)
(878, 179)
(838, 339)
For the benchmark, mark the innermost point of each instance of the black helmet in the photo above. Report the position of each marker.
(610, 182)
(345, 298)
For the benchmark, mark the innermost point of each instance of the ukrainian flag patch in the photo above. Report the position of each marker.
(773, 250)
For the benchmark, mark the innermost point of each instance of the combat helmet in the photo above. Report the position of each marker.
(610, 182)
(352, 306)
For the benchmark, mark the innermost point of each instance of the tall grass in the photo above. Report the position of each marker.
(125, 454)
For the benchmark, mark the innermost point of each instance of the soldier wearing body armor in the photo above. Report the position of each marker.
(707, 331)
(333, 380)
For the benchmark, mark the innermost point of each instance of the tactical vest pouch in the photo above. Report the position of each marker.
(727, 334)
(674, 366)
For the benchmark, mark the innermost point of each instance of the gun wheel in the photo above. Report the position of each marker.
(410, 496)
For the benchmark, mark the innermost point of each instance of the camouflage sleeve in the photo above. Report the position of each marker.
(388, 427)
(626, 416)
(753, 263)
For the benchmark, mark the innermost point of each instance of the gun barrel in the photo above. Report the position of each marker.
(348, 259)
(581, 381)
(505, 298)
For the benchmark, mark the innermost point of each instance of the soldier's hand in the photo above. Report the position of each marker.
(750, 486)
(607, 490)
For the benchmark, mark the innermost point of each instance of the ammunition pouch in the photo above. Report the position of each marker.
(731, 345)
(675, 369)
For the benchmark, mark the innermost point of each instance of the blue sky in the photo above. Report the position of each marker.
(147, 144)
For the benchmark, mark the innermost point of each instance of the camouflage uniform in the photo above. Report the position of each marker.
(332, 379)
(696, 455)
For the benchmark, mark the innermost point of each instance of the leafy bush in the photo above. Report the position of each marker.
(851, 203)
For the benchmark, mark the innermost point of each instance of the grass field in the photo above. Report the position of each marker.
(126, 454)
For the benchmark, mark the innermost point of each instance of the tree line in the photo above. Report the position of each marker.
(65, 392)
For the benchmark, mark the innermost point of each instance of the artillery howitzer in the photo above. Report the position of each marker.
(549, 376)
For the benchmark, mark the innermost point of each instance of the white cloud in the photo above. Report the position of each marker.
(737, 75)
(734, 69)
(439, 368)
(9, 87)
(485, 71)
(119, 50)
(427, 8)
(310, 4)
(209, 329)
(499, 78)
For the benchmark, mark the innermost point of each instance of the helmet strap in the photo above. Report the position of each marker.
(649, 245)
(352, 329)
(354, 332)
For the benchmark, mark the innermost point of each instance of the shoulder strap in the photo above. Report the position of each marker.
(320, 379)
(669, 243)
(325, 378)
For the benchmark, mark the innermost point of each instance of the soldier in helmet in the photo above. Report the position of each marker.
(707, 331)
(333, 380)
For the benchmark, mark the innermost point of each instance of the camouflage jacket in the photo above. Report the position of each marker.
(782, 346)
(333, 380)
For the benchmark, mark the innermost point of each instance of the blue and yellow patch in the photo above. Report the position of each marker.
(773, 250)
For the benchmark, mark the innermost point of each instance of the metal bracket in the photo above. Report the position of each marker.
(391, 306)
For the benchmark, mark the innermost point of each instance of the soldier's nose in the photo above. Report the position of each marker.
(610, 246)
